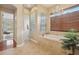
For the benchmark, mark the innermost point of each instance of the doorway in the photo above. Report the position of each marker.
(26, 31)
(7, 27)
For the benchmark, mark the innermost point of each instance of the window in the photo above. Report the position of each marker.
(70, 10)
(42, 22)
(8, 22)
(32, 23)
(8, 27)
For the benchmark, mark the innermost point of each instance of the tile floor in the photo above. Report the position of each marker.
(31, 48)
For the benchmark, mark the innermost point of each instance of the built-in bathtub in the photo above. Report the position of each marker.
(54, 37)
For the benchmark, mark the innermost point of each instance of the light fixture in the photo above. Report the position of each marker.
(29, 6)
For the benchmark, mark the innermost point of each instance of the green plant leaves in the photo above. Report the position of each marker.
(71, 40)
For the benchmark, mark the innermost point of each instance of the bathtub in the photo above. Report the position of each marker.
(54, 37)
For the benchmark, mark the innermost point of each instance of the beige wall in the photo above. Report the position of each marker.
(19, 20)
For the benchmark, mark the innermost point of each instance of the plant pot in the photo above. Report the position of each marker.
(70, 54)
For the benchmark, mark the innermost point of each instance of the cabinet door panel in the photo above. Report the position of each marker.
(65, 22)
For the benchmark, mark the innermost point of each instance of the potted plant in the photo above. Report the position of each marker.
(71, 41)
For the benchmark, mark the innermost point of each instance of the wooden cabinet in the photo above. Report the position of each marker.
(65, 22)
